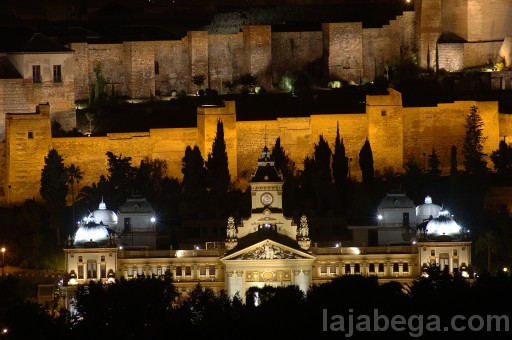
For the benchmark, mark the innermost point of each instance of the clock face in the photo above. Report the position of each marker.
(266, 198)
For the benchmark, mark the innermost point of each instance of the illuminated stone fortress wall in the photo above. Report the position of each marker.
(397, 134)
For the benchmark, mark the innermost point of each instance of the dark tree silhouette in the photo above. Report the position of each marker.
(54, 189)
(339, 160)
(366, 161)
(453, 161)
(282, 161)
(194, 183)
(121, 178)
(150, 176)
(322, 161)
(434, 163)
(75, 174)
(217, 165)
(502, 158)
(474, 161)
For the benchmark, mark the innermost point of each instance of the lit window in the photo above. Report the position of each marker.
(395, 267)
(381, 267)
(371, 268)
(92, 270)
(57, 74)
(36, 73)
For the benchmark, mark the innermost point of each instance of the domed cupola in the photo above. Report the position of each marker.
(92, 234)
(427, 210)
(104, 216)
(443, 228)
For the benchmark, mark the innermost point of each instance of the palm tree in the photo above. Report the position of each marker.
(74, 173)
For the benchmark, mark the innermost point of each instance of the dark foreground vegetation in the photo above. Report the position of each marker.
(150, 308)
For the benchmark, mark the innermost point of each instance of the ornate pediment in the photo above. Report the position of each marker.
(268, 250)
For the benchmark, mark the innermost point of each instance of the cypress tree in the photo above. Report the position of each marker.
(472, 150)
(339, 160)
(433, 163)
(54, 189)
(217, 164)
(366, 161)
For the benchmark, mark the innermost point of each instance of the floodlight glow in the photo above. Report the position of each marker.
(152, 219)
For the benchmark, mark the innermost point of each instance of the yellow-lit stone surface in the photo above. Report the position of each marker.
(397, 135)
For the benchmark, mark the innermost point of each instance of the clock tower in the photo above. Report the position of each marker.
(267, 201)
(266, 184)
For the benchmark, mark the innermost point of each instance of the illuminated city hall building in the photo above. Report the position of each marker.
(266, 248)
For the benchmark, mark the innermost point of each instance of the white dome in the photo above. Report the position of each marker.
(102, 215)
(424, 211)
(91, 232)
(443, 226)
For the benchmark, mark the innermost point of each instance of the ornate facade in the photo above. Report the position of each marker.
(269, 248)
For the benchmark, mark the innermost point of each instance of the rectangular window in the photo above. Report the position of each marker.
(323, 269)
(92, 270)
(202, 270)
(212, 271)
(383, 113)
(381, 267)
(103, 271)
(371, 268)
(57, 74)
(159, 271)
(357, 268)
(103, 258)
(433, 252)
(80, 259)
(188, 271)
(347, 269)
(30, 135)
(405, 267)
(157, 67)
(127, 224)
(332, 269)
(395, 267)
(80, 271)
(455, 252)
(178, 271)
(36, 73)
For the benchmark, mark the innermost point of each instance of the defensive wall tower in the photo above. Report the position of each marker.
(385, 129)
(28, 140)
(207, 118)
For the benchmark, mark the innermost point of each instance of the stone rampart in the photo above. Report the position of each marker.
(442, 127)
(293, 51)
(173, 66)
(258, 53)
(225, 61)
(397, 135)
(343, 50)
